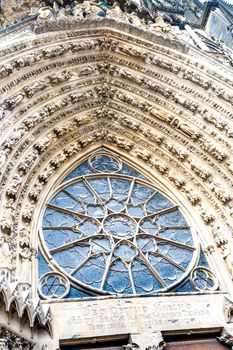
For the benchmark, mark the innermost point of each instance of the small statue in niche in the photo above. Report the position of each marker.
(5, 255)
(26, 254)
(6, 220)
(45, 12)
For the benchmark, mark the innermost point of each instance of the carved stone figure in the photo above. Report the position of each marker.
(220, 239)
(192, 196)
(159, 165)
(6, 70)
(35, 192)
(72, 149)
(5, 254)
(206, 215)
(199, 170)
(62, 77)
(42, 144)
(6, 221)
(187, 129)
(28, 211)
(25, 235)
(85, 119)
(45, 12)
(58, 160)
(27, 162)
(180, 152)
(176, 180)
(223, 195)
(131, 51)
(15, 137)
(31, 90)
(63, 129)
(142, 154)
(86, 71)
(216, 151)
(13, 102)
(164, 116)
(79, 9)
(122, 143)
(26, 255)
(15, 184)
(45, 174)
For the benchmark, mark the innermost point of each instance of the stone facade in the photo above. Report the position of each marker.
(71, 87)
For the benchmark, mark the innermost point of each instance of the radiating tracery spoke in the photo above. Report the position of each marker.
(115, 233)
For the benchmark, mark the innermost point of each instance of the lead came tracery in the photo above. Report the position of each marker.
(110, 231)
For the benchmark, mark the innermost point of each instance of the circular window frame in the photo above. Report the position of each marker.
(95, 175)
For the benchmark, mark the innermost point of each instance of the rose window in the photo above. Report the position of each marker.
(110, 231)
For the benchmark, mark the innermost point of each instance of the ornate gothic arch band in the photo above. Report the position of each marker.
(152, 103)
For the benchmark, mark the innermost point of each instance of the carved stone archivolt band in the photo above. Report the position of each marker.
(152, 104)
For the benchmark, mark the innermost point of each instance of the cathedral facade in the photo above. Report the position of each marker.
(116, 174)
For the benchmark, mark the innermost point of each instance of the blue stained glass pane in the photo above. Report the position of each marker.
(149, 226)
(180, 256)
(119, 226)
(167, 271)
(56, 238)
(115, 205)
(179, 235)
(81, 192)
(100, 245)
(118, 280)
(202, 282)
(140, 194)
(146, 244)
(101, 187)
(202, 260)
(144, 280)
(57, 218)
(88, 227)
(43, 265)
(135, 211)
(105, 164)
(63, 200)
(172, 218)
(81, 170)
(125, 252)
(132, 172)
(91, 273)
(77, 293)
(157, 203)
(70, 258)
(120, 188)
(53, 287)
(185, 288)
(95, 210)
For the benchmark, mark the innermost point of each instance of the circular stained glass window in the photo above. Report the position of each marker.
(110, 231)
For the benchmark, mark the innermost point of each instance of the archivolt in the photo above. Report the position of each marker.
(69, 92)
